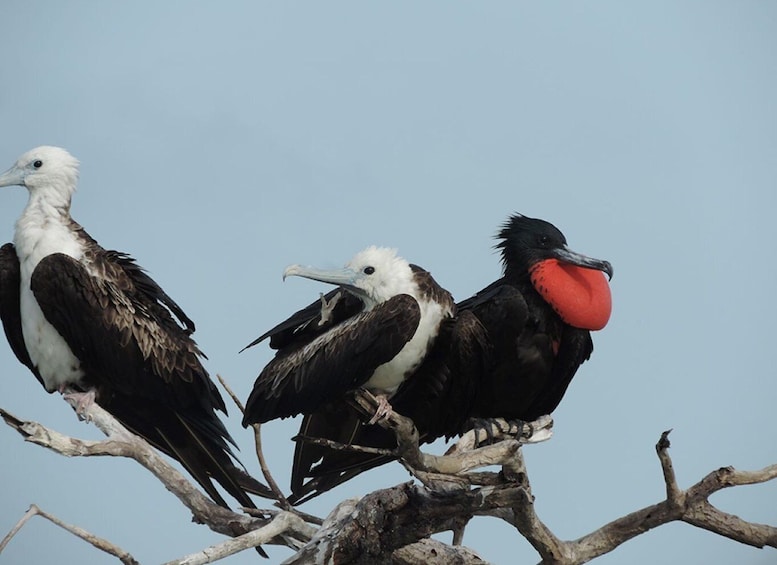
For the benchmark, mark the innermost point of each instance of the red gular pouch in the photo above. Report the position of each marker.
(580, 296)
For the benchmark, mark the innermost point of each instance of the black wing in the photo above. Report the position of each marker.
(438, 397)
(441, 394)
(305, 325)
(300, 379)
(575, 348)
(535, 355)
(10, 310)
(145, 367)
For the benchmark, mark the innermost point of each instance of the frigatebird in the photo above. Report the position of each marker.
(539, 316)
(389, 328)
(92, 323)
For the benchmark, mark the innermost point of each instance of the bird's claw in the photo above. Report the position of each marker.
(515, 428)
(80, 401)
(382, 411)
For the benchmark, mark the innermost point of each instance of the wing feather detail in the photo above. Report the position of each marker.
(302, 378)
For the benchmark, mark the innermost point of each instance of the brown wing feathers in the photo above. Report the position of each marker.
(144, 366)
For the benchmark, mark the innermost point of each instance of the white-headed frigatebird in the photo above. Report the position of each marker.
(91, 322)
(389, 328)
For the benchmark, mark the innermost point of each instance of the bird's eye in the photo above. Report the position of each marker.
(369, 270)
(38, 164)
(544, 240)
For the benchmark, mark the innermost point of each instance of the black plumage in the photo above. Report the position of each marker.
(536, 352)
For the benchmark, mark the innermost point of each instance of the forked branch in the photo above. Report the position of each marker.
(120, 442)
(395, 523)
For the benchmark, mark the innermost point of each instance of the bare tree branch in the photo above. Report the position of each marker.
(457, 460)
(690, 506)
(279, 496)
(394, 524)
(371, 529)
(120, 442)
(433, 552)
(279, 525)
(380, 523)
(98, 542)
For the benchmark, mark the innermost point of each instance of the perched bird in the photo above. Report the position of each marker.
(389, 328)
(538, 315)
(92, 323)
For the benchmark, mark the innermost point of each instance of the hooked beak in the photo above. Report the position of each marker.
(568, 256)
(344, 277)
(13, 176)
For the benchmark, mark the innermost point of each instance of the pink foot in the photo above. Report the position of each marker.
(80, 401)
(383, 410)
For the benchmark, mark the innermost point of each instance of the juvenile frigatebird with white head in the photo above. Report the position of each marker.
(91, 322)
(401, 312)
(388, 327)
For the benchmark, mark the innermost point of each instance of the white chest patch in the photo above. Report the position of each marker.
(47, 349)
(388, 377)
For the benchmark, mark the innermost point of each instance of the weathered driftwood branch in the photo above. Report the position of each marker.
(279, 496)
(282, 523)
(395, 523)
(98, 542)
(365, 531)
(691, 506)
(432, 552)
(464, 456)
(120, 442)
(371, 529)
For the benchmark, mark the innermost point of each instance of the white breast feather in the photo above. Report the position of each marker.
(387, 377)
(35, 239)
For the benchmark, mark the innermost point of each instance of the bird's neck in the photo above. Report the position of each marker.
(48, 205)
(45, 227)
(517, 275)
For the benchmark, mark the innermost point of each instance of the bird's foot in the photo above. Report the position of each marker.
(383, 410)
(80, 401)
(327, 307)
(490, 428)
(483, 427)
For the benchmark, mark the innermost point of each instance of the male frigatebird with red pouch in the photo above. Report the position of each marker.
(539, 316)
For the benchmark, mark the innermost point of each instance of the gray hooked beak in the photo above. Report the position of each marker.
(344, 277)
(568, 256)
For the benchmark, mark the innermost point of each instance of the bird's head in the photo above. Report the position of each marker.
(566, 280)
(46, 170)
(374, 275)
(525, 241)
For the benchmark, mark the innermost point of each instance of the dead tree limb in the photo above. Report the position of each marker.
(279, 496)
(394, 524)
(691, 506)
(98, 542)
(282, 523)
(121, 442)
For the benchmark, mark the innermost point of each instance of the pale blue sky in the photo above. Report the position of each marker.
(221, 142)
